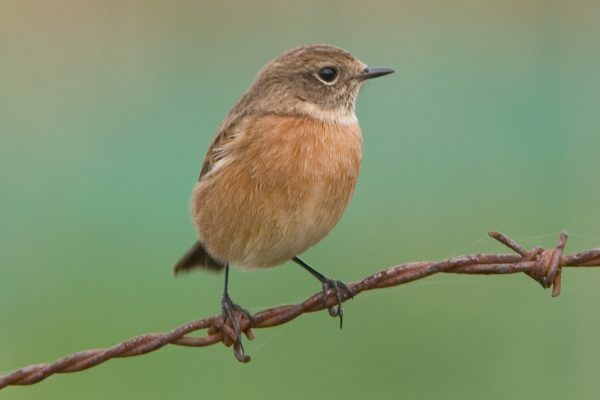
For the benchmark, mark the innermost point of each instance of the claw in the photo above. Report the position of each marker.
(228, 308)
(336, 311)
(328, 284)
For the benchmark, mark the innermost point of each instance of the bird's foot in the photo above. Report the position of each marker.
(337, 287)
(231, 317)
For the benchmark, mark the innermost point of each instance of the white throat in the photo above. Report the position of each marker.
(340, 116)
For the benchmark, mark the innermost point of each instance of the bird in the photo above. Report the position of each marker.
(281, 169)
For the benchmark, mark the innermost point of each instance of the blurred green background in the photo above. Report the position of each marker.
(492, 121)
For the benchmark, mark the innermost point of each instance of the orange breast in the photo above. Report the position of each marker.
(283, 186)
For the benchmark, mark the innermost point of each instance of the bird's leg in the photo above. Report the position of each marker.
(335, 285)
(228, 307)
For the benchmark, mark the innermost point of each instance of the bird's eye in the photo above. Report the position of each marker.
(327, 75)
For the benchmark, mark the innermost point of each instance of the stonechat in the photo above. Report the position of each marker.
(282, 168)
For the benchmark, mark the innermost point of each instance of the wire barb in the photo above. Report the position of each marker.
(543, 265)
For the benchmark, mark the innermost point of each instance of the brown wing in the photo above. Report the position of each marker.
(226, 133)
(197, 256)
(213, 154)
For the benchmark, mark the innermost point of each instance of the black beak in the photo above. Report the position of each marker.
(374, 72)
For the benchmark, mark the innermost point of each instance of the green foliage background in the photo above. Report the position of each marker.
(490, 122)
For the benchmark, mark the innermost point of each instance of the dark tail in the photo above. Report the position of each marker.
(198, 257)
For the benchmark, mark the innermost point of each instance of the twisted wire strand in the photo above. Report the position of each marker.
(543, 265)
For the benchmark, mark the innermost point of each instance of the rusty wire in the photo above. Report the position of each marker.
(543, 265)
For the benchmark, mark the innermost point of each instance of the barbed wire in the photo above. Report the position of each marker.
(543, 265)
